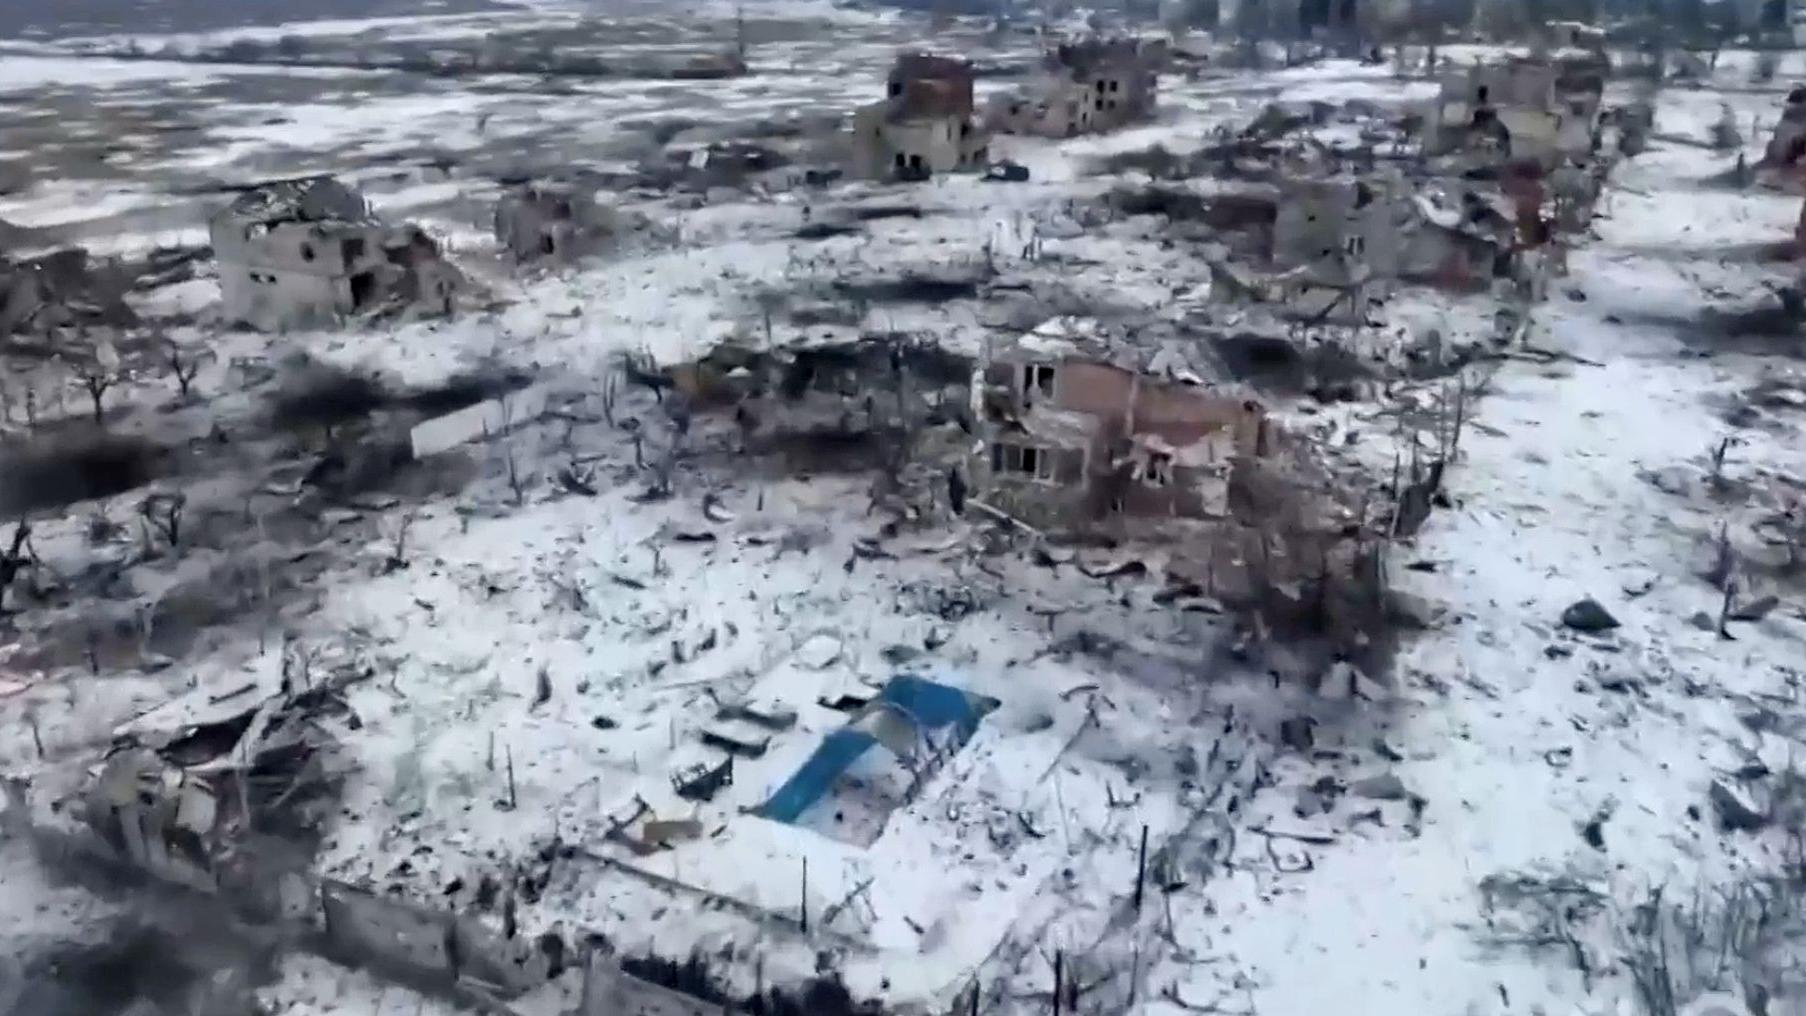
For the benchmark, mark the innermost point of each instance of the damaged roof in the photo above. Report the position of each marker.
(929, 99)
(1092, 54)
(303, 199)
(1089, 340)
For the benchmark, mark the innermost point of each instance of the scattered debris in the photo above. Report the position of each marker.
(1736, 810)
(1382, 787)
(820, 652)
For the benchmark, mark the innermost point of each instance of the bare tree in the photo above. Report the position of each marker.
(97, 380)
(1724, 607)
(14, 560)
(1724, 559)
(1737, 939)
(1717, 456)
(517, 481)
(398, 543)
(183, 365)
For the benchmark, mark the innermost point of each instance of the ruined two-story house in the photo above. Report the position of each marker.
(1334, 237)
(924, 124)
(1089, 86)
(1526, 110)
(1339, 244)
(1075, 430)
(309, 252)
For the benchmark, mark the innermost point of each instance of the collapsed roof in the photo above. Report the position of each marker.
(303, 199)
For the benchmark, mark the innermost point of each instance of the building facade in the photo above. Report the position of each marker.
(1073, 434)
(924, 125)
(308, 253)
(1512, 111)
(1090, 86)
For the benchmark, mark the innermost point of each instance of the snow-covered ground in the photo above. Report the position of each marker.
(1517, 733)
(1289, 881)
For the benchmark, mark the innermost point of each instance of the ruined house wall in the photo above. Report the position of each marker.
(949, 75)
(279, 301)
(610, 991)
(1091, 87)
(511, 966)
(930, 144)
(1052, 109)
(1190, 481)
(425, 945)
(303, 248)
(1183, 415)
(1193, 493)
(1521, 93)
(388, 933)
(1091, 459)
(1574, 136)
(1118, 95)
(293, 275)
(1097, 389)
(1350, 229)
(1526, 83)
(1065, 494)
(940, 145)
(533, 224)
(871, 157)
(1312, 222)
(1535, 133)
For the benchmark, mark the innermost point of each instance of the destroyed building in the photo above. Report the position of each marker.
(832, 405)
(554, 220)
(1580, 76)
(1339, 244)
(1332, 237)
(309, 252)
(1076, 430)
(1459, 239)
(231, 802)
(1521, 110)
(63, 289)
(1090, 86)
(924, 125)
